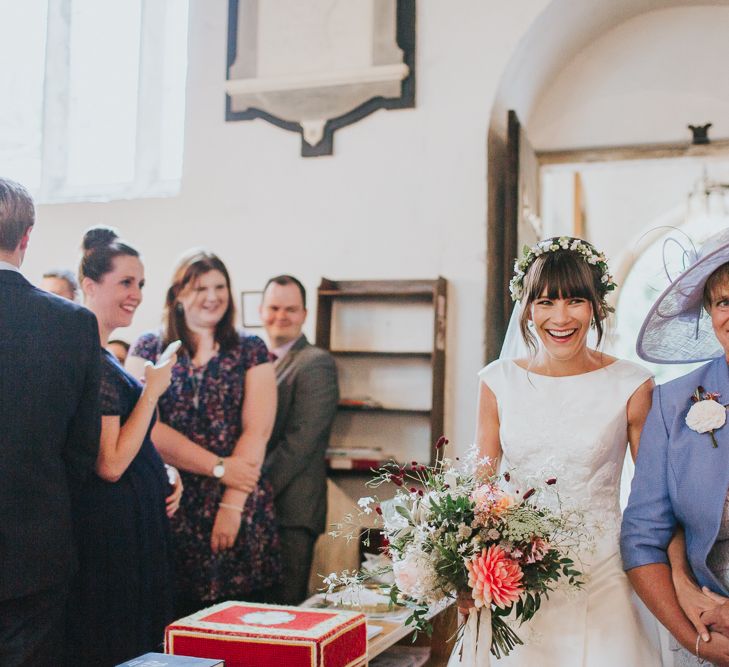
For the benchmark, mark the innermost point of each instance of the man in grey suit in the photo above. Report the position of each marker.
(50, 366)
(295, 457)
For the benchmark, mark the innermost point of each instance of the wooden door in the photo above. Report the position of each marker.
(513, 222)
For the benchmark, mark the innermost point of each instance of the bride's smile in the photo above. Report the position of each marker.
(562, 324)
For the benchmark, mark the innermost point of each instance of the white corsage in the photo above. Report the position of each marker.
(706, 414)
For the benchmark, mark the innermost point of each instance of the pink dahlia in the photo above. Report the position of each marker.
(494, 577)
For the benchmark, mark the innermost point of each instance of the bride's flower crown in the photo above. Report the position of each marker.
(585, 250)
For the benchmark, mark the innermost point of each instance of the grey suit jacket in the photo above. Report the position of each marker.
(295, 455)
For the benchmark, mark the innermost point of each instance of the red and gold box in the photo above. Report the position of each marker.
(248, 634)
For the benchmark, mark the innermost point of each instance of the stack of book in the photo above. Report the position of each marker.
(355, 458)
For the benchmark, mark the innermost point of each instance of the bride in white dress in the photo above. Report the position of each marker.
(568, 411)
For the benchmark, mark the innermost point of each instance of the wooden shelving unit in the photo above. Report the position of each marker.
(388, 339)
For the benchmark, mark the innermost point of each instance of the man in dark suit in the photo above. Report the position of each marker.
(307, 401)
(49, 437)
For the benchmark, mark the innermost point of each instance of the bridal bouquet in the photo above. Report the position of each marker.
(457, 530)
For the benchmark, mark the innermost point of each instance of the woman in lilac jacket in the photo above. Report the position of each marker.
(682, 470)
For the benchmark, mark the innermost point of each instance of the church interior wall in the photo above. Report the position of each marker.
(404, 195)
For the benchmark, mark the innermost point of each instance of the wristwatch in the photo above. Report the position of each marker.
(219, 469)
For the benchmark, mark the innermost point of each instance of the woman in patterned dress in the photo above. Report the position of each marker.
(215, 421)
(121, 598)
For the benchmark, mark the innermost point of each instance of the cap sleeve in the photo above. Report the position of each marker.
(254, 350)
(110, 389)
(635, 374)
(493, 375)
(146, 347)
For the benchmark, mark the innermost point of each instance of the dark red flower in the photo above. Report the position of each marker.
(397, 480)
(551, 480)
(420, 493)
(441, 441)
(507, 477)
(414, 464)
(528, 494)
(378, 509)
(413, 489)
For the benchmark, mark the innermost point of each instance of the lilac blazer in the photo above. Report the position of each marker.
(679, 478)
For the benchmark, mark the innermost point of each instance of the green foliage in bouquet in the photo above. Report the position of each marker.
(458, 527)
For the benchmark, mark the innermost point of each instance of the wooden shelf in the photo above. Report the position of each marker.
(344, 464)
(339, 294)
(367, 408)
(388, 354)
(363, 323)
(364, 465)
(376, 289)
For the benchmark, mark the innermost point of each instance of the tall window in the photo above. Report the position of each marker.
(93, 97)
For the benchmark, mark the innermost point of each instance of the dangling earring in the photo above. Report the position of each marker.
(593, 323)
(179, 309)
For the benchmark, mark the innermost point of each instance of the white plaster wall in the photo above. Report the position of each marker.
(642, 81)
(403, 196)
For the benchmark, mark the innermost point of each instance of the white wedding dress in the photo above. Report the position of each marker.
(575, 429)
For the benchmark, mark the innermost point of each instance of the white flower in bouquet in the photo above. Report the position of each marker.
(451, 479)
(392, 519)
(415, 575)
(364, 504)
(421, 507)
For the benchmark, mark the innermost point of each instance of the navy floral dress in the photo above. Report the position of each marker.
(121, 598)
(204, 404)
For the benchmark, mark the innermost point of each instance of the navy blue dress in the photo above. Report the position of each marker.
(121, 599)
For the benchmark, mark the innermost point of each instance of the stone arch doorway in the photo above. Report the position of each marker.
(573, 56)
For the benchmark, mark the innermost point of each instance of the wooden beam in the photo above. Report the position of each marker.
(578, 213)
(638, 152)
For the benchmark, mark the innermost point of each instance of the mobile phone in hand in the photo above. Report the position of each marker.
(169, 351)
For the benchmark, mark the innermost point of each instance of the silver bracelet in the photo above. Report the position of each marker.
(696, 650)
(231, 507)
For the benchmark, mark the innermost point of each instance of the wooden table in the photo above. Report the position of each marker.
(444, 622)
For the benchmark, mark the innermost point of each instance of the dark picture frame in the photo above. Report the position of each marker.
(406, 40)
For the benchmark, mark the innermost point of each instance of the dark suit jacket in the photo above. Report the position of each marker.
(49, 430)
(307, 402)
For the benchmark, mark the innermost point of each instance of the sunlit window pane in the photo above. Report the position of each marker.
(103, 89)
(93, 97)
(22, 53)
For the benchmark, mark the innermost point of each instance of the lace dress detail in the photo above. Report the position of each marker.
(575, 429)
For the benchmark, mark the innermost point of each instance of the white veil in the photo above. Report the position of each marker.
(514, 346)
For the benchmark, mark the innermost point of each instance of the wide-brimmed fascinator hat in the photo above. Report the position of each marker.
(677, 330)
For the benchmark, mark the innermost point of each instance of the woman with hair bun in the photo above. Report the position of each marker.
(215, 422)
(121, 598)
